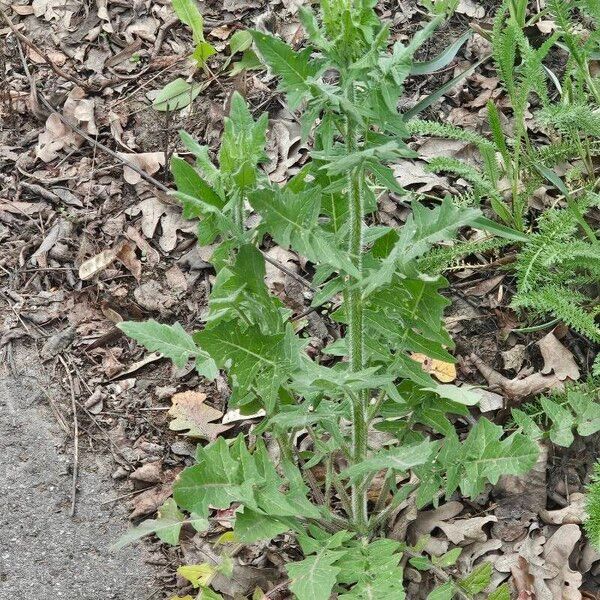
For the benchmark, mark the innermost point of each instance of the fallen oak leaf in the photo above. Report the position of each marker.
(195, 418)
(149, 162)
(557, 358)
(517, 389)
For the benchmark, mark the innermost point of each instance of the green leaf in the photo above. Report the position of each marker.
(216, 481)
(296, 69)
(400, 458)
(170, 340)
(176, 95)
(257, 360)
(203, 51)
(478, 579)
(241, 40)
(443, 592)
(423, 228)
(251, 527)
(166, 527)
(292, 220)
(448, 559)
(561, 431)
(314, 577)
(374, 569)
(188, 13)
(501, 593)
(486, 457)
(196, 194)
(499, 229)
(443, 59)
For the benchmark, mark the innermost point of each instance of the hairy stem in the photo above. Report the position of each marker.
(354, 303)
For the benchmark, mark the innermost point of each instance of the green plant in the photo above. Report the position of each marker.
(592, 523)
(558, 415)
(179, 93)
(346, 85)
(558, 272)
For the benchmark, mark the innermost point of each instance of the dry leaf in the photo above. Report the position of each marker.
(443, 371)
(517, 389)
(150, 501)
(557, 550)
(54, 138)
(126, 255)
(572, 514)
(80, 109)
(148, 473)
(557, 358)
(149, 162)
(96, 264)
(195, 418)
(471, 9)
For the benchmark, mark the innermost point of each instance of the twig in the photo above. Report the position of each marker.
(96, 144)
(42, 53)
(278, 588)
(75, 435)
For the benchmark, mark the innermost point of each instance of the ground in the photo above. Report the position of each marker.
(45, 552)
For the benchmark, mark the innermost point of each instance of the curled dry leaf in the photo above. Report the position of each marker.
(557, 358)
(96, 264)
(195, 418)
(148, 473)
(126, 255)
(557, 550)
(80, 109)
(54, 138)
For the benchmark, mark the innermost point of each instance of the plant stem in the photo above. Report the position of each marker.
(354, 302)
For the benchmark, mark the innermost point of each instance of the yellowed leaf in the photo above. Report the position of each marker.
(197, 575)
(442, 371)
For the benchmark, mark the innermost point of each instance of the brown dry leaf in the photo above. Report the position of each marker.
(443, 371)
(557, 358)
(149, 162)
(150, 501)
(413, 173)
(572, 514)
(557, 550)
(283, 148)
(96, 264)
(152, 256)
(80, 109)
(517, 389)
(471, 9)
(484, 287)
(514, 358)
(466, 531)
(148, 473)
(54, 138)
(195, 418)
(523, 580)
(126, 255)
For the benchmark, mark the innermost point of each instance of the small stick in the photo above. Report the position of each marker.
(96, 144)
(42, 53)
(75, 435)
